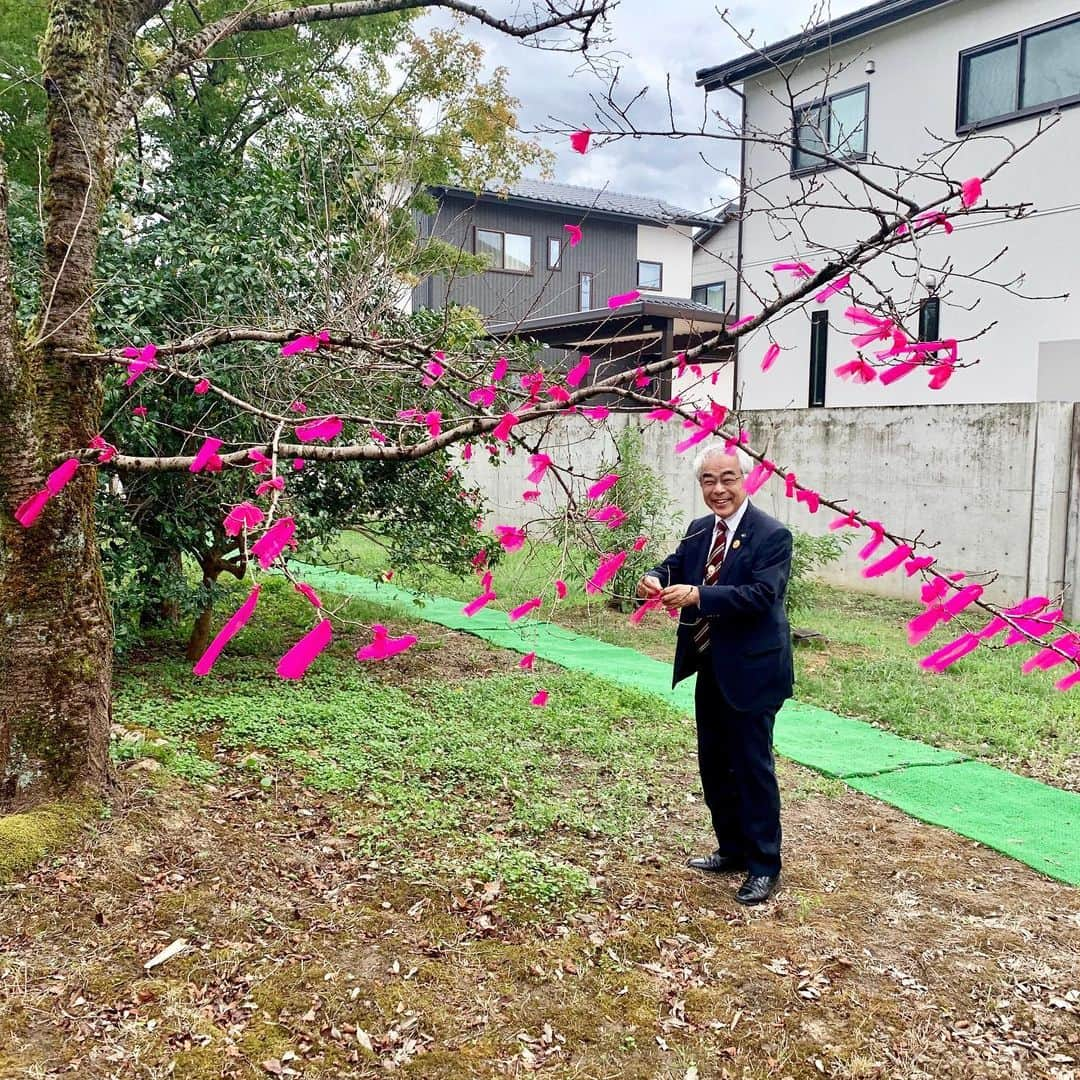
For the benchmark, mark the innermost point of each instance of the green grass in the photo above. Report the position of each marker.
(432, 761)
(982, 706)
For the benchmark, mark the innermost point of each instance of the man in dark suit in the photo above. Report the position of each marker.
(728, 578)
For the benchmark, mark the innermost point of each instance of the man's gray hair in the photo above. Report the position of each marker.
(716, 449)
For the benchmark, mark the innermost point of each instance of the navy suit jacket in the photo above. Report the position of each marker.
(750, 638)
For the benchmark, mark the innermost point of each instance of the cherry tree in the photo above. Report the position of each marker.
(452, 392)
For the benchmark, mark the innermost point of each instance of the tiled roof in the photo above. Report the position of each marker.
(603, 200)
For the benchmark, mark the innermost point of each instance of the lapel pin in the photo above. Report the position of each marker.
(735, 544)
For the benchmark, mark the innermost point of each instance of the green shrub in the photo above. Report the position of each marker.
(808, 555)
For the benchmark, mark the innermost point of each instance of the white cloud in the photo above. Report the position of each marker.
(651, 40)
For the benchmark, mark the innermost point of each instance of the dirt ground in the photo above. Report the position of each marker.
(892, 950)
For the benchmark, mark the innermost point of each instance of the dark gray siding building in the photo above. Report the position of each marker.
(534, 271)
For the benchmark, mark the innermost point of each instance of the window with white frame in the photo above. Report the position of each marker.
(835, 126)
(1026, 73)
(650, 275)
(584, 292)
(505, 251)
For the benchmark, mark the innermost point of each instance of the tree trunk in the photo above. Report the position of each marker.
(55, 624)
(200, 631)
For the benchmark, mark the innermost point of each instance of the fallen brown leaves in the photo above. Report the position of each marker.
(924, 957)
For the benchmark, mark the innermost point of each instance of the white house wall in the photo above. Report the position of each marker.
(914, 87)
(717, 259)
(672, 246)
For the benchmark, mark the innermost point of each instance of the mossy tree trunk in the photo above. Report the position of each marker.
(55, 626)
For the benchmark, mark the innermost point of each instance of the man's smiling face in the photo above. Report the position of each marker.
(722, 484)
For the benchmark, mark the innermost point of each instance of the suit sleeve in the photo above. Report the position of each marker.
(769, 576)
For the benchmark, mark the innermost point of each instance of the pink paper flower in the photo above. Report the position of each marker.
(277, 484)
(833, 288)
(305, 343)
(738, 324)
(262, 463)
(578, 372)
(560, 589)
(858, 370)
(139, 410)
(435, 371)
(947, 655)
(604, 484)
(466, 452)
(531, 496)
(640, 542)
(940, 374)
(526, 662)
(141, 360)
(201, 387)
(377, 436)
(811, 498)
(272, 542)
(320, 430)
(484, 396)
(474, 605)
(622, 299)
(523, 609)
(433, 420)
(758, 477)
(607, 569)
(847, 521)
(888, 562)
(610, 515)
(921, 562)
(579, 140)
(540, 698)
(510, 537)
(108, 451)
(301, 656)
(306, 590)
(505, 426)
(245, 515)
(58, 479)
(227, 632)
(205, 454)
(770, 356)
(796, 269)
(540, 464)
(383, 646)
(498, 373)
(596, 412)
(896, 372)
(29, 510)
(971, 191)
(640, 612)
(575, 234)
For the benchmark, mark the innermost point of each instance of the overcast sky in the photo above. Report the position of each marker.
(651, 39)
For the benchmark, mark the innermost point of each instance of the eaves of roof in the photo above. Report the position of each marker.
(834, 32)
(523, 202)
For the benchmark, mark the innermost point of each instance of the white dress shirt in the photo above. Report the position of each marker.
(732, 524)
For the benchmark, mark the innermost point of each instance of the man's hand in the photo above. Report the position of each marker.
(648, 587)
(680, 596)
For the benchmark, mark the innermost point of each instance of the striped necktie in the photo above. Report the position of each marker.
(712, 572)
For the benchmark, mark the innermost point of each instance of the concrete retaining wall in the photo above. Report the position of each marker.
(997, 487)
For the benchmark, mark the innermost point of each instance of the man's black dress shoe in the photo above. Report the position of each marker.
(717, 863)
(757, 888)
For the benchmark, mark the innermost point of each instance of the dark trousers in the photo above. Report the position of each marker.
(738, 777)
